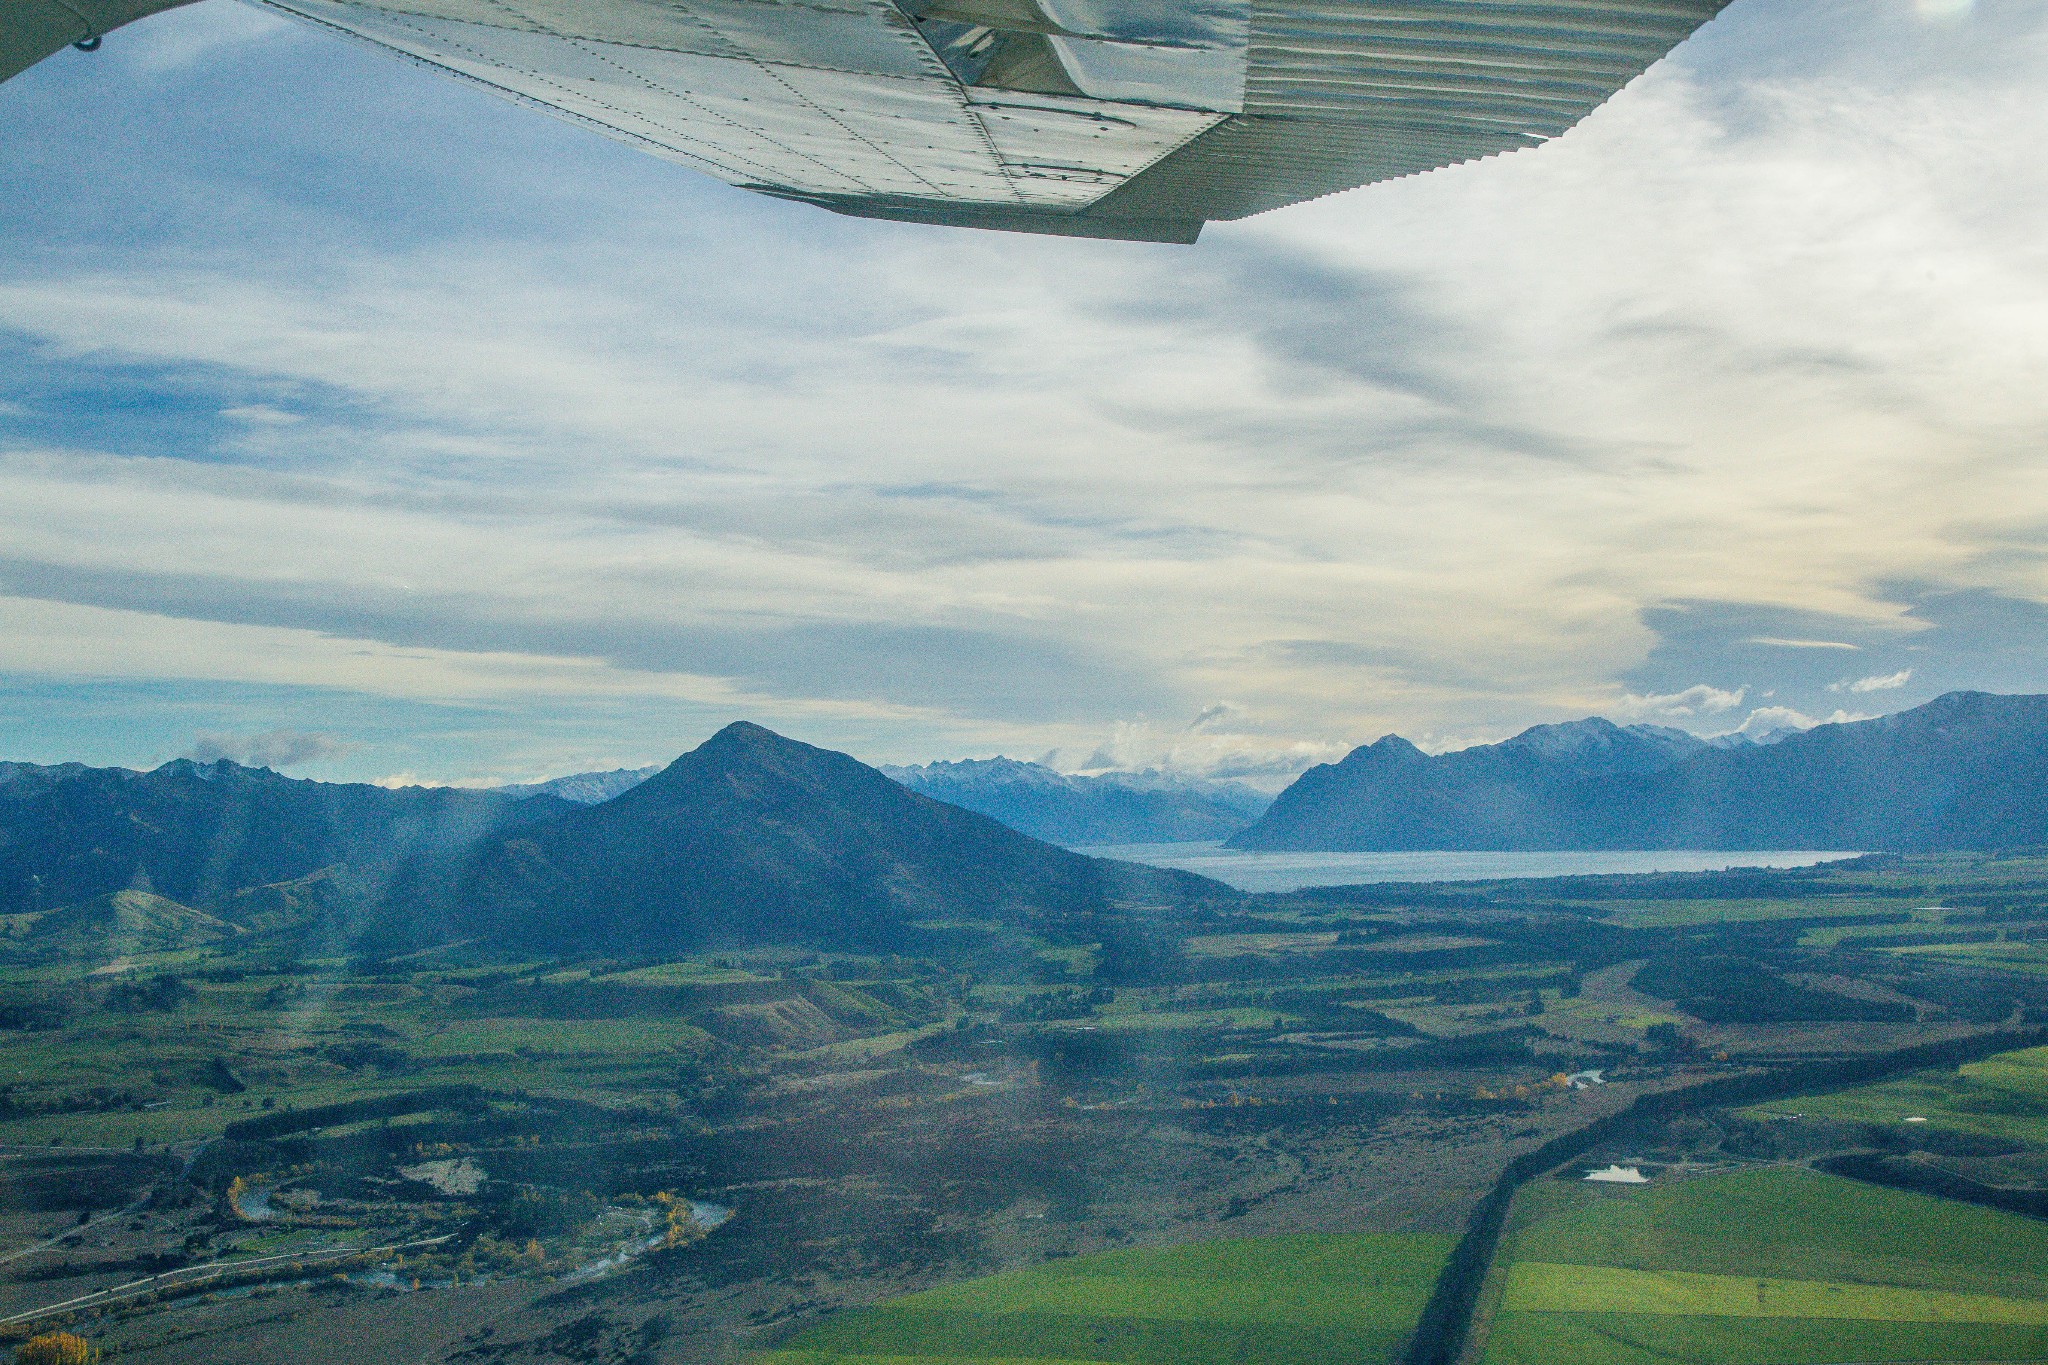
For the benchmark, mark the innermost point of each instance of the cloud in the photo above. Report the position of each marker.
(1697, 700)
(258, 414)
(1767, 720)
(1240, 753)
(272, 749)
(369, 405)
(1800, 644)
(1882, 682)
(1944, 11)
(1272, 766)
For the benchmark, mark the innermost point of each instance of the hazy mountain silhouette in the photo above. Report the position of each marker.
(1967, 770)
(754, 838)
(1073, 809)
(198, 833)
(1524, 792)
(749, 839)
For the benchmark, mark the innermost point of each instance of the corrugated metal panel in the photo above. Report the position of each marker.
(1537, 67)
(1339, 95)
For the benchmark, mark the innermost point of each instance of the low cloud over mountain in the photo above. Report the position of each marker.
(1076, 809)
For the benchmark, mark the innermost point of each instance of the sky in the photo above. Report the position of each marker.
(357, 423)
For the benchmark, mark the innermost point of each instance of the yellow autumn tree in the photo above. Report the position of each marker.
(682, 1222)
(56, 1348)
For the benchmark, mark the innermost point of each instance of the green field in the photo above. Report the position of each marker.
(1664, 914)
(1300, 1300)
(2027, 956)
(2004, 1097)
(1765, 1267)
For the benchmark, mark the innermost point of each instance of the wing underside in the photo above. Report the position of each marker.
(1106, 118)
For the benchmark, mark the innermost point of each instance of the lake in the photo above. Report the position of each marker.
(1292, 871)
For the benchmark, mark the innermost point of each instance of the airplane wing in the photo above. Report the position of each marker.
(1137, 119)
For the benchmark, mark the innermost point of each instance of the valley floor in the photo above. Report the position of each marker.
(1061, 1148)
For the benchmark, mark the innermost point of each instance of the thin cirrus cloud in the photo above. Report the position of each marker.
(1776, 643)
(324, 385)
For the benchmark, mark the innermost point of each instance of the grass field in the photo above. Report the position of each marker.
(1771, 1267)
(1662, 914)
(2026, 956)
(2004, 1097)
(1301, 1300)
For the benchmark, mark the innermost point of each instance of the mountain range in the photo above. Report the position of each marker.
(1076, 810)
(1966, 770)
(752, 838)
(1079, 810)
(749, 839)
(584, 789)
(198, 833)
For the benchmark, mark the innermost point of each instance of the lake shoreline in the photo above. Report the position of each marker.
(1268, 872)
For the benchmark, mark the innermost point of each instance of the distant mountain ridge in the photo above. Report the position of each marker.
(748, 839)
(585, 789)
(1079, 810)
(1967, 770)
(195, 833)
(1523, 792)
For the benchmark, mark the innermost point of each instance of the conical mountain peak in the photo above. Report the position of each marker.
(753, 837)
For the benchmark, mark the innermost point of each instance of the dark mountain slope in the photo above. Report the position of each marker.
(1109, 808)
(753, 838)
(198, 833)
(1521, 793)
(1967, 770)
